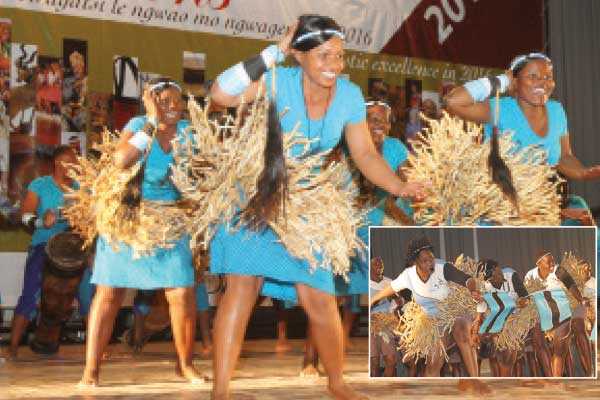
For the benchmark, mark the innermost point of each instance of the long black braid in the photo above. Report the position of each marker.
(500, 172)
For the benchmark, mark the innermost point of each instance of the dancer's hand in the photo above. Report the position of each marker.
(413, 190)
(476, 294)
(522, 302)
(285, 43)
(592, 172)
(150, 105)
(49, 218)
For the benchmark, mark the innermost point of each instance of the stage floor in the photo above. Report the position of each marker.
(262, 375)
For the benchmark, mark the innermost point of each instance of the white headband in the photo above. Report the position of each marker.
(526, 57)
(159, 85)
(309, 35)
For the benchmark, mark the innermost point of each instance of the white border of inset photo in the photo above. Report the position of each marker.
(474, 244)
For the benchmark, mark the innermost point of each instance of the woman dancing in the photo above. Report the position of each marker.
(326, 106)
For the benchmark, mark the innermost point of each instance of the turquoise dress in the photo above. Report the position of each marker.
(164, 268)
(512, 119)
(245, 252)
(394, 153)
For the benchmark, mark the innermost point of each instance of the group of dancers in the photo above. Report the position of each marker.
(314, 100)
(537, 353)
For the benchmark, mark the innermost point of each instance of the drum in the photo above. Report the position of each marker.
(62, 274)
(158, 317)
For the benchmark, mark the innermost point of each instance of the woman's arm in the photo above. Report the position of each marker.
(242, 80)
(570, 166)
(460, 103)
(471, 101)
(222, 98)
(382, 294)
(372, 165)
(28, 210)
(129, 149)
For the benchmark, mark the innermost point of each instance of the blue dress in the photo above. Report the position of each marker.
(245, 252)
(513, 119)
(394, 153)
(164, 268)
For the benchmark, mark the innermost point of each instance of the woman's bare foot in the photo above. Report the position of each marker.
(10, 354)
(309, 371)
(190, 374)
(348, 345)
(473, 385)
(282, 346)
(88, 380)
(206, 350)
(219, 396)
(345, 392)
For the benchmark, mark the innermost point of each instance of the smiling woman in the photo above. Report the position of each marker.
(117, 265)
(527, 111)
(320, 106)
(530, 116)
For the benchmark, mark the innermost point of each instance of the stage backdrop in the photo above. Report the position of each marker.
(70, 67)
(481, 32)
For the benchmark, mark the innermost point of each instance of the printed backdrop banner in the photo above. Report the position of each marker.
(466, 31)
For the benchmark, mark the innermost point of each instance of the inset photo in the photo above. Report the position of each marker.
(483, 302)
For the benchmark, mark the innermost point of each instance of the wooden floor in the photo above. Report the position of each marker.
(262, 374)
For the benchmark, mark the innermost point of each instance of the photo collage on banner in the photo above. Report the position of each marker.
(126, 90)
(48, 105)
(5, 38)
(75, 84)
(407, 100)
(194, 66)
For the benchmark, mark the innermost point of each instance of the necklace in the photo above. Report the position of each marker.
(319, 134)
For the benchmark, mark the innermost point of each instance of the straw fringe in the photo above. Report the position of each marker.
(217, 172)
(448, 154)
(517, 327)
(96, 206)
(419, 334)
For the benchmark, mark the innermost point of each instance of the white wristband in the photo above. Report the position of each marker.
(272, 55)
(140, 140)
(26, 218)
(30, 220)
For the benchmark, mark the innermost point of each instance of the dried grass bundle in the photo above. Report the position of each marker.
(319, 217)
(217, 171)
(468, 265)
(383, 322)
(96, 207)
(534, 285)
(459, 303)
(448, 154)
(420, 336)
(575, 266)
(517, 327)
